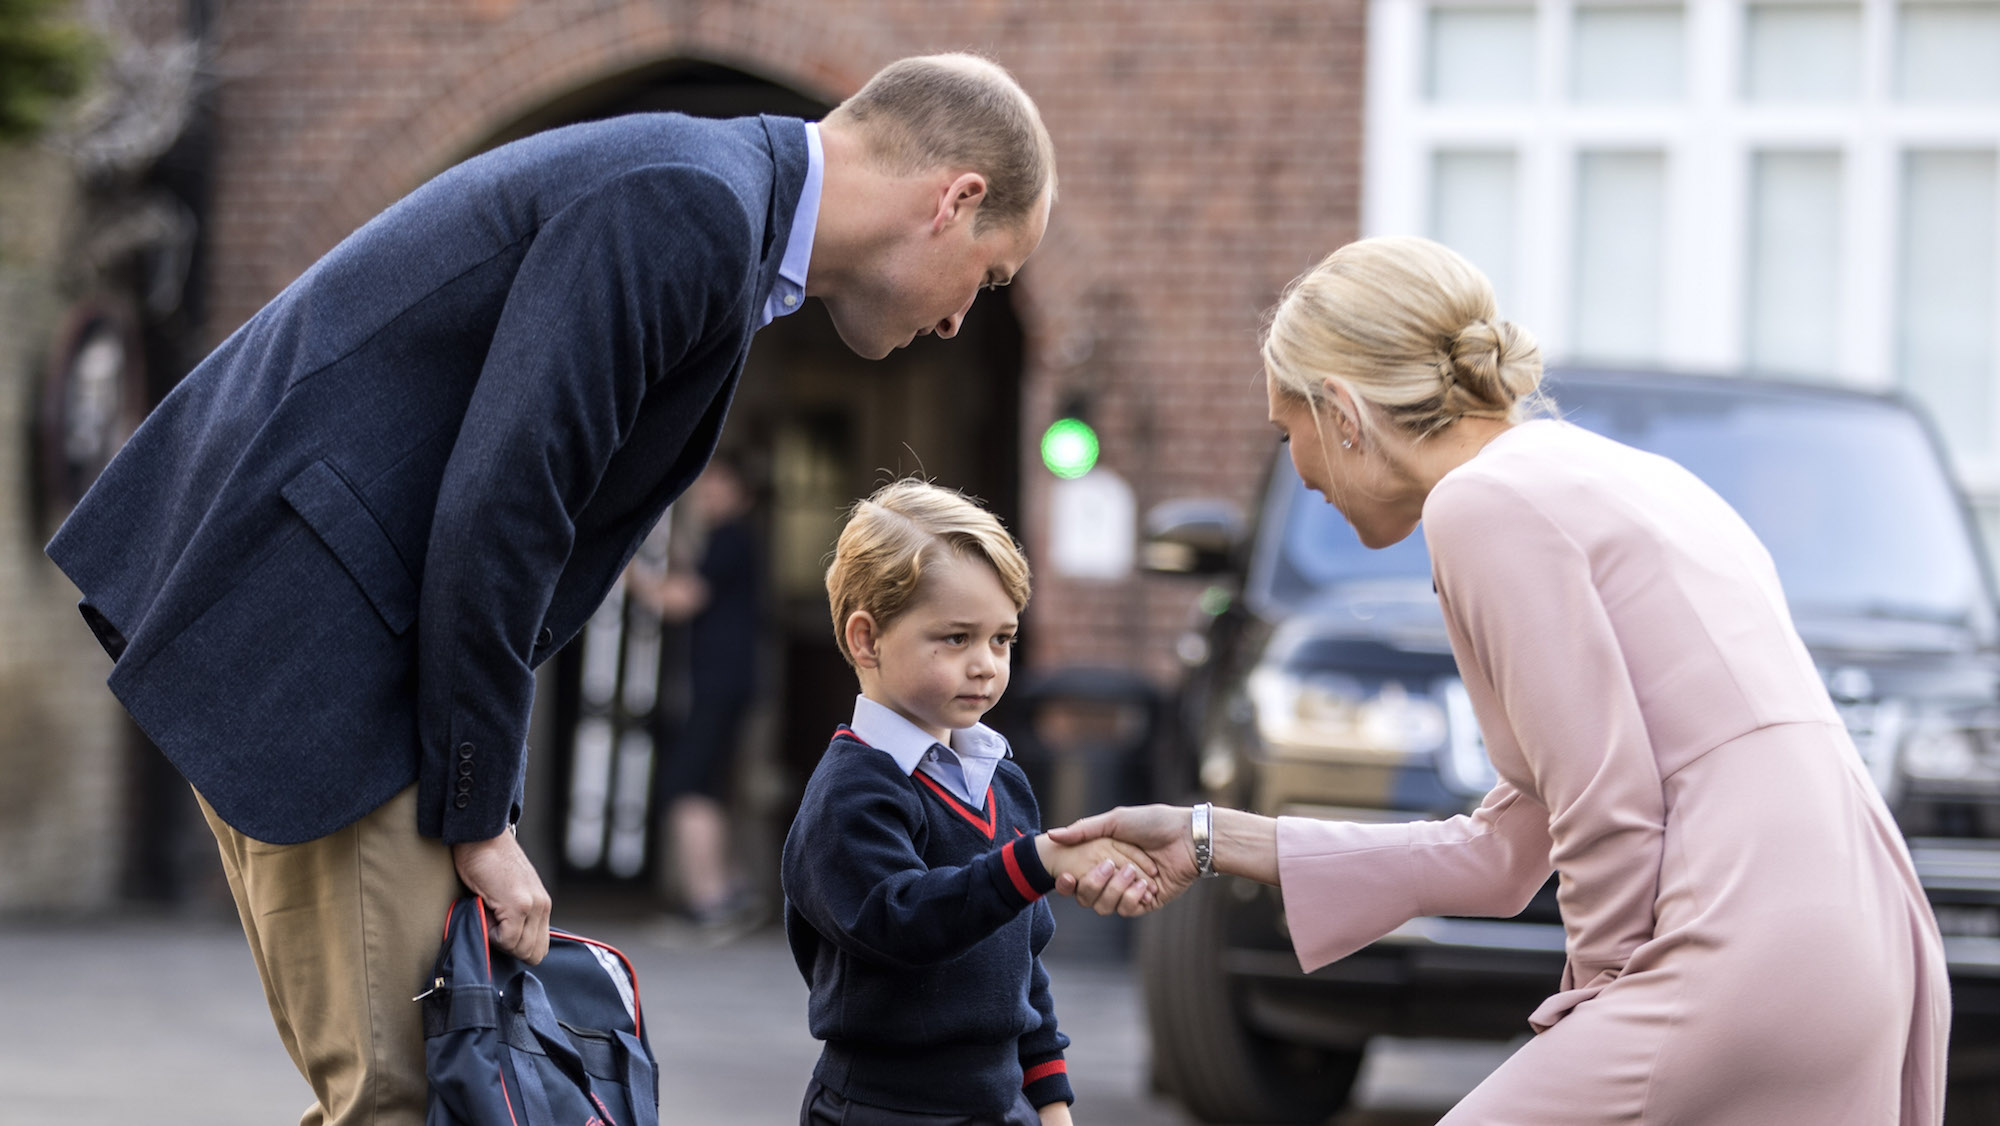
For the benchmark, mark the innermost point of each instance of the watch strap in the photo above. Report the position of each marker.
(1202, 831)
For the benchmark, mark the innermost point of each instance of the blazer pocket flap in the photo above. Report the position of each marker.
(330, 507)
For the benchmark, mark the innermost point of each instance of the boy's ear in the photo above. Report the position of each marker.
(861, 637)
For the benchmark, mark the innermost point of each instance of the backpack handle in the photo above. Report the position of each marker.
(641, 1087)
(531, 1000)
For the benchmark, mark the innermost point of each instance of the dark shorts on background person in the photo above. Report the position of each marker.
(700, 751)
(824, 1107)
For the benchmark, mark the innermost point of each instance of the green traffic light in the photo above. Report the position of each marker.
(1069, 447)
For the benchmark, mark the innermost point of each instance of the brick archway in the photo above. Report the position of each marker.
(523, 65)
(332, 113)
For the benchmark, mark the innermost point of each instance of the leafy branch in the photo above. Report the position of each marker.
(45, 59)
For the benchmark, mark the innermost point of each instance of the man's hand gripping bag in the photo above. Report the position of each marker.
(558, 1044)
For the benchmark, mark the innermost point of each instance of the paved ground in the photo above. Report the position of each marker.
(161, 1021)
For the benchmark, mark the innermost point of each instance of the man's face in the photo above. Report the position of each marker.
(927, 280)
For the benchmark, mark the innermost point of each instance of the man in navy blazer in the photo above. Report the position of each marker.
(328, 565)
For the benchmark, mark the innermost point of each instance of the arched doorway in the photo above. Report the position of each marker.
(817, 427)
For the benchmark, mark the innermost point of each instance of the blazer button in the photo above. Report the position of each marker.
(465, 767)
(465, 784)
(547, 635)
(463, 801)
(465, 750)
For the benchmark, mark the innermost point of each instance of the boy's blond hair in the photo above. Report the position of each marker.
(878, 563)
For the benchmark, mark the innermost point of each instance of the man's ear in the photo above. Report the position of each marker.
(862, 636)
(960, 200)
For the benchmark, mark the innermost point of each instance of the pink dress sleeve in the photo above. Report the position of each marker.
(1548, 678)
(1348, 884)
(1581, 789)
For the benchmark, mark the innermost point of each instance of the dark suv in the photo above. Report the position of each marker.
(1320, 683)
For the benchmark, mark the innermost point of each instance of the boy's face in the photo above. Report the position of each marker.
(945, 661)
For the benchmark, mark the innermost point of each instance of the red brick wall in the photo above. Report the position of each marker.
(1208, 152)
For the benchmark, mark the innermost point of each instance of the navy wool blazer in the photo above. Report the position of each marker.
(328, 564)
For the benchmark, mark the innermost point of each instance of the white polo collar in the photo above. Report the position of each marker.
(979, 748)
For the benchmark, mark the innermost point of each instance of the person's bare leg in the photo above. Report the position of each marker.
(700, 829)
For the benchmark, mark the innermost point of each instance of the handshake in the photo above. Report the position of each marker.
(1128, 861)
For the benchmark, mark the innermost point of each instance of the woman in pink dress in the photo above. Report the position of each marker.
(1747, 940)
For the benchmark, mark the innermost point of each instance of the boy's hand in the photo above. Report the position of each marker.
(1130, 875)
(1055, 1114)
(1160, 830)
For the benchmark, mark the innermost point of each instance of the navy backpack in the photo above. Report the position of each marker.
(562, 1043)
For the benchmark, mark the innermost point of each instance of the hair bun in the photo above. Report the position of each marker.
(1409, 328)
(1493, 364)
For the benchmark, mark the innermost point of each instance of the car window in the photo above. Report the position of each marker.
(1845, 493)
(1320, 547)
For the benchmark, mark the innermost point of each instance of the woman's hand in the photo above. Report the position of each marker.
(1162, 831)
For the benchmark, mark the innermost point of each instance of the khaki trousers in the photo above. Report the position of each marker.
(344, 930)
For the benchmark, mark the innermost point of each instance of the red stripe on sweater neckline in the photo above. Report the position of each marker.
(987, 824)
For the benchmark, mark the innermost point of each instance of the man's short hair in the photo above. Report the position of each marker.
(958, 111)
(878, 564)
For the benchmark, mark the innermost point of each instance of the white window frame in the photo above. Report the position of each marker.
(1709, 139)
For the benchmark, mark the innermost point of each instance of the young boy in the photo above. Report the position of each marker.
(915, 871)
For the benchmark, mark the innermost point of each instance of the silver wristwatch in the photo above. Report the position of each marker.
(1204, 839)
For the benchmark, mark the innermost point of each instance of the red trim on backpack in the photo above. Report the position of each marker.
(1014, 873)
(485, 939)
(631, 974)
(1044, 1070)
(504, 1096)
(988, 824)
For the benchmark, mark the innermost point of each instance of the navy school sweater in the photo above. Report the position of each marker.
(919, 924)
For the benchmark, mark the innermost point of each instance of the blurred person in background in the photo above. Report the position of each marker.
(327, 566)
(719, 602)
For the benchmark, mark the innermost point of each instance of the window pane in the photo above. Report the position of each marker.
(1620, 215)
(1949, 52)
(1794, 262)
(1482, 55)
(1802, 52)
(1945, 342)
(1472, 211)
(1626, 55)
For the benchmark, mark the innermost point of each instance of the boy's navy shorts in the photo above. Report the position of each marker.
(825, 1108)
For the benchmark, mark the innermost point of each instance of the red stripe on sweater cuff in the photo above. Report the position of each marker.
(1014, 872)
(1044, 1070)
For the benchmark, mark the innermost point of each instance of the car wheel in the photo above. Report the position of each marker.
(1203, 1052)
(1970, 1098)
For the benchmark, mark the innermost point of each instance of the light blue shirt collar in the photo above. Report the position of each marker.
(788, 292)
(965, 767)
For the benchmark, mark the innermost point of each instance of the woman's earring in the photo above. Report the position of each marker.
(1347, 443)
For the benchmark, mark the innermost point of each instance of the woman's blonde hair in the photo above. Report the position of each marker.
(879, 561)
(1409, 328)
